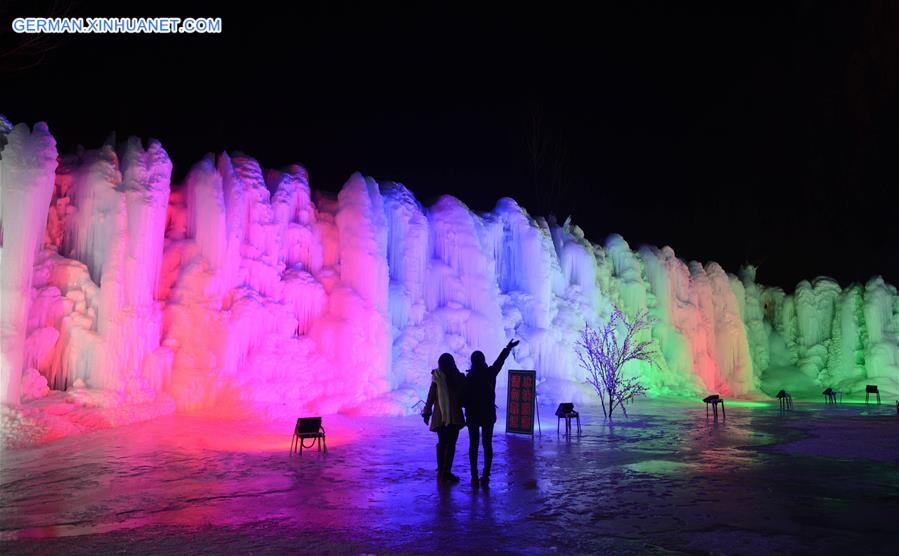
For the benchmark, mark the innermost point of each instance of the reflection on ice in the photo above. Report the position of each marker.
(664, 478)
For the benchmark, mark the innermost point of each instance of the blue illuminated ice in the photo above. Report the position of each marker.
(244, 290)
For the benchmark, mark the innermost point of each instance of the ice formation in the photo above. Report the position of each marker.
(27, 168)
(244, 290)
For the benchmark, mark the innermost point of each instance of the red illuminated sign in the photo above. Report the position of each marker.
(520, 405)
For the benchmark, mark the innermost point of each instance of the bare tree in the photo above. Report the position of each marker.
(603, 357)
(21, 51)
(548, 162)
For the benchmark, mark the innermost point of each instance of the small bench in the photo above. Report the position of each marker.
(830, 396)
(786, 400)
(714, 400)
(566, 411)
(308, 427)
(872, 389)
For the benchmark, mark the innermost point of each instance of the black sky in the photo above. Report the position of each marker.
(764, 134)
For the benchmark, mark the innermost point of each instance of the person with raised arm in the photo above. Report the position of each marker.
(480, 409)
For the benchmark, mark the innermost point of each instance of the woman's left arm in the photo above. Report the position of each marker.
(429, 405)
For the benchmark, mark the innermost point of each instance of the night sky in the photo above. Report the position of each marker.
(763, 134)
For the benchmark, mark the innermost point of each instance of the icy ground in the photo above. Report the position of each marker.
(818, 479)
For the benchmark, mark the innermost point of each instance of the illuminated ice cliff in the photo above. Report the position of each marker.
(242, 289)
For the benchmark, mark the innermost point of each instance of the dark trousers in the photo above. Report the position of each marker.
(485, 432)
(446, 448)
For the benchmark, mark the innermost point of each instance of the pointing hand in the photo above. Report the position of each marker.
(512, 343)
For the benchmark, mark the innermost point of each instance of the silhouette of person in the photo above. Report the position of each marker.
(480, 409)
(444, 411)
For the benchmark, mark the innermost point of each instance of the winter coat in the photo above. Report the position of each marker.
(480, 391)
(440, 417)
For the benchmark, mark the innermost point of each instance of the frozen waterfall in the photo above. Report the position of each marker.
(243, 289)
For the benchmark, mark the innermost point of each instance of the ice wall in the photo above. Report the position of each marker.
(27, 166)
(110, 216)
(242, 289)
